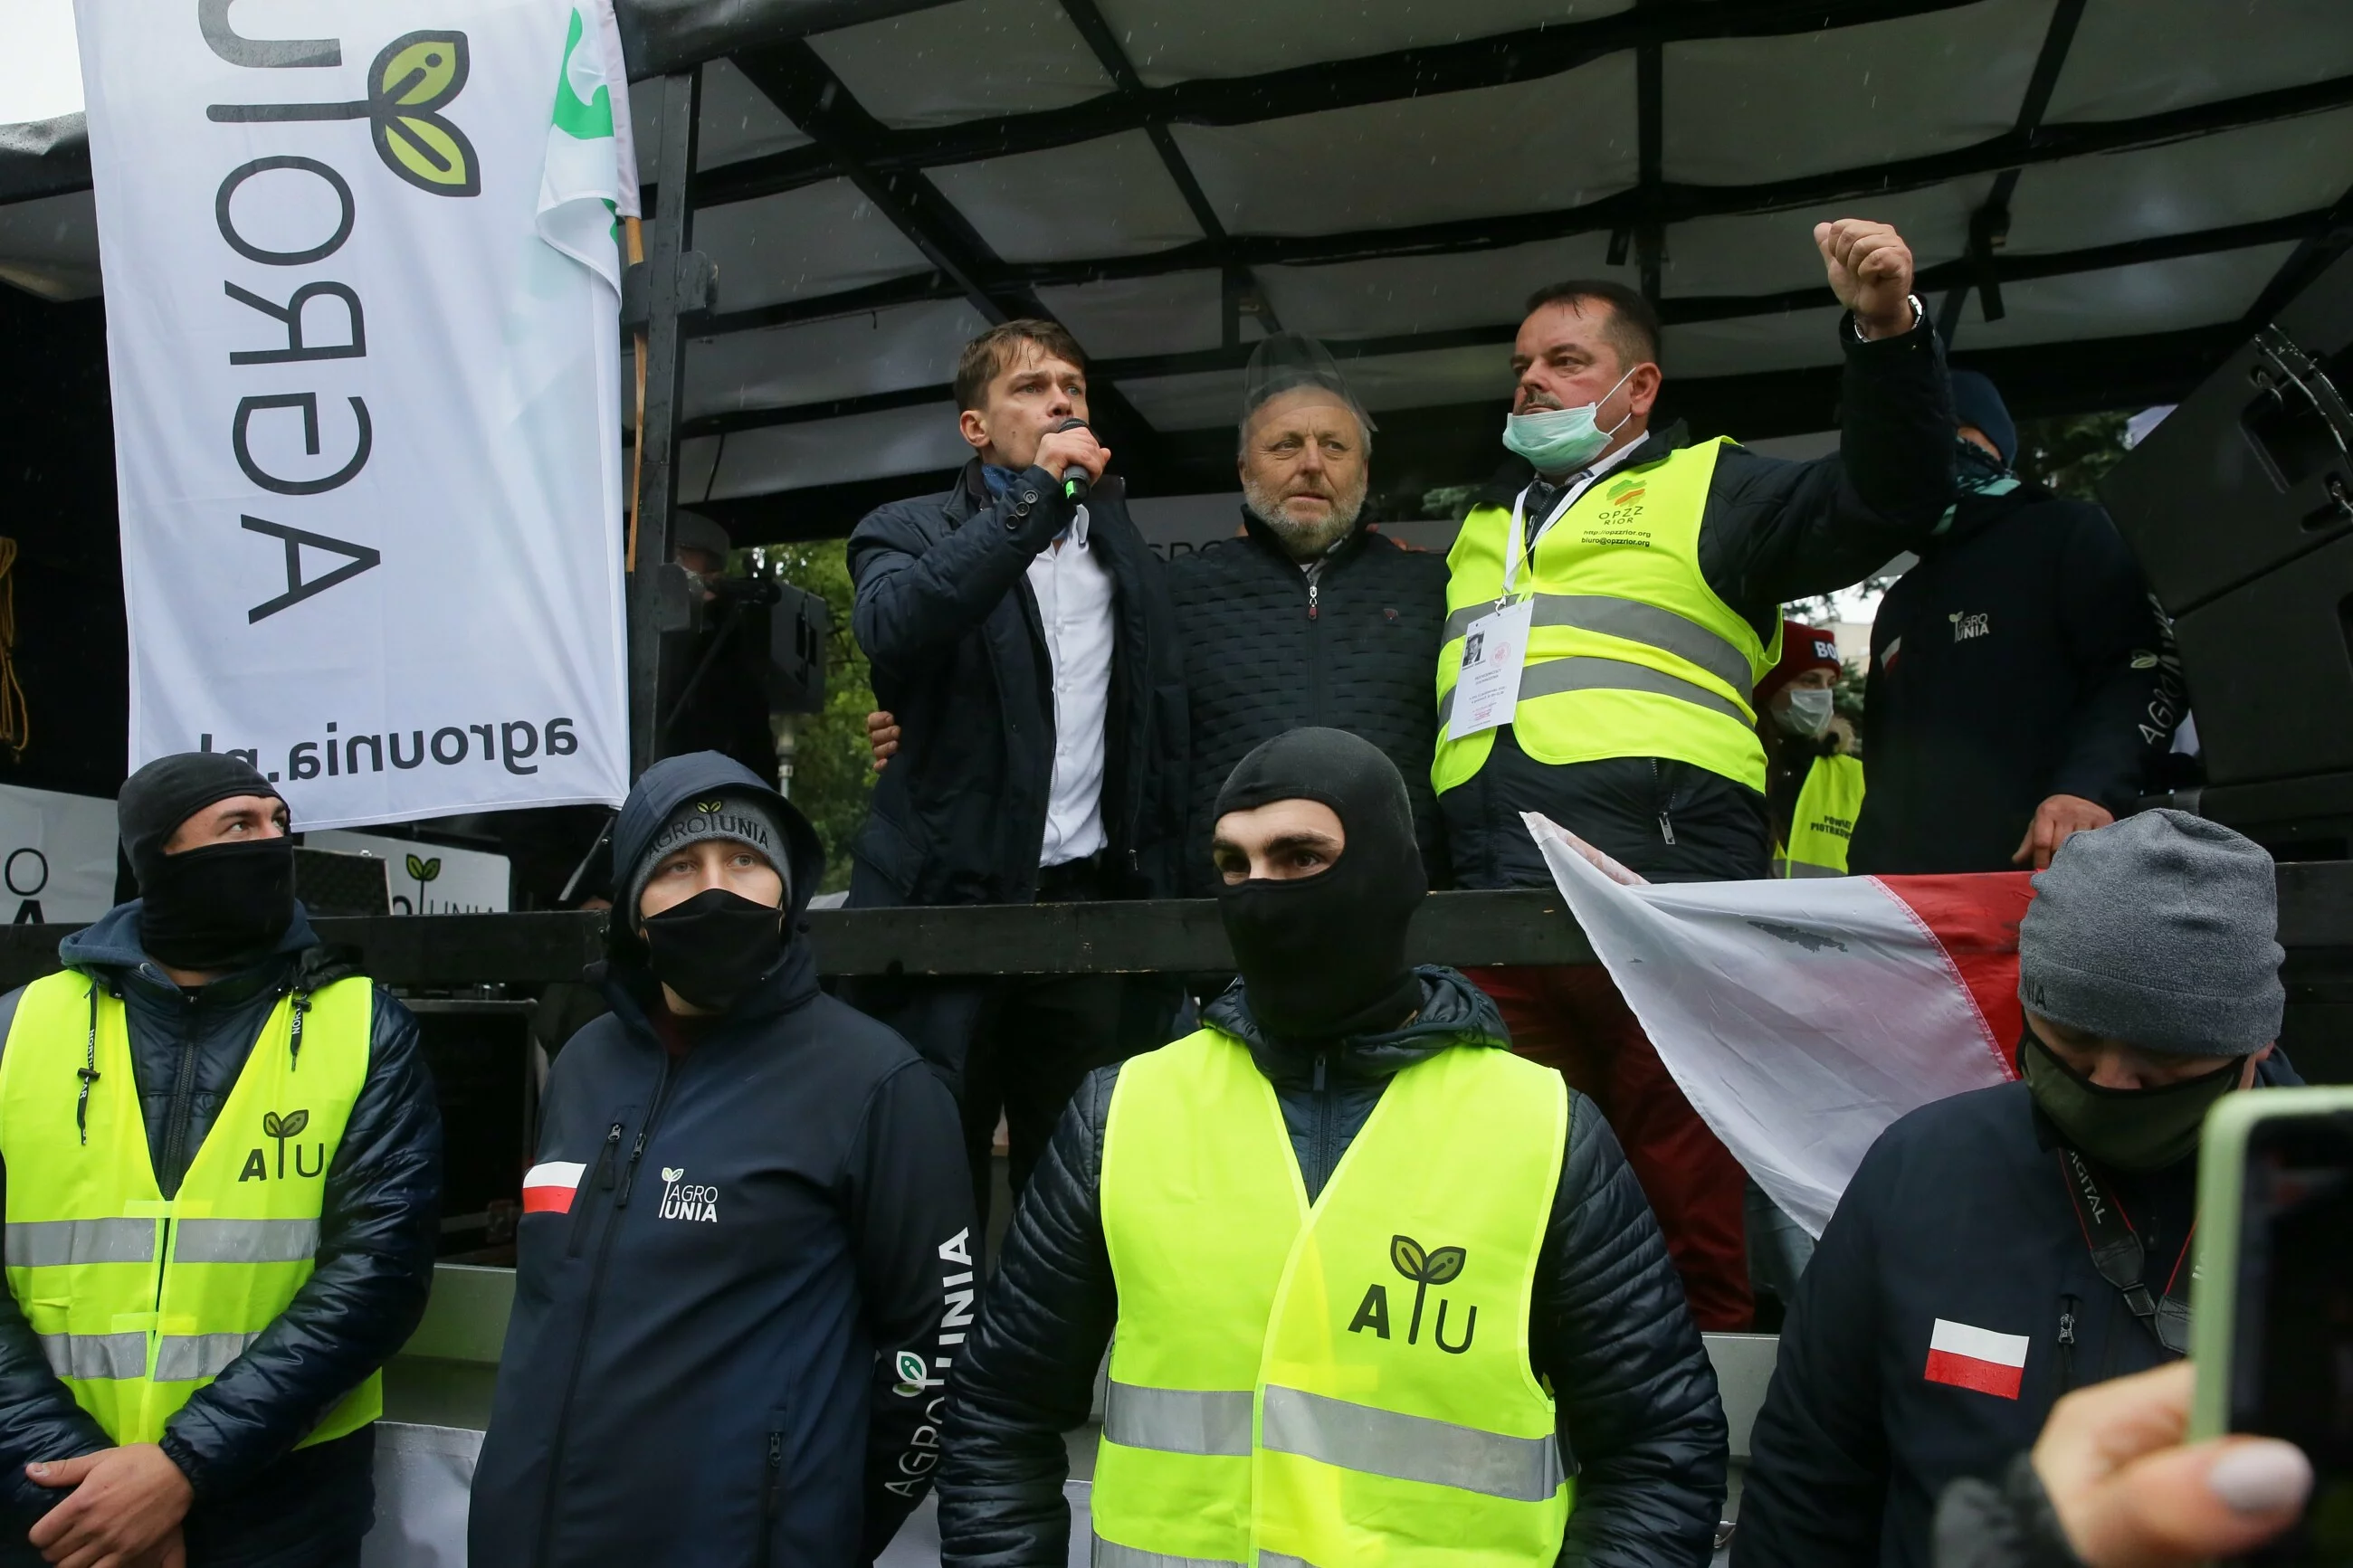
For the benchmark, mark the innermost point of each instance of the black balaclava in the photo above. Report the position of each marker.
(222, 907)
(1323, 957)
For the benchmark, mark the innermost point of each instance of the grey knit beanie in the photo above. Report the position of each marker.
(740, 818)
(2159, 931)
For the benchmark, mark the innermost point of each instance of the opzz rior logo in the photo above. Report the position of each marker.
(1425, 1267)
(414, 77)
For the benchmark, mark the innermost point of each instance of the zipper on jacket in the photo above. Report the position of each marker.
(544, 1544)
(771, 1493)
(1666, 804)
(2068, 1307)
(645, 1130)
(1313, 589)
(1323, 1129)
(599, 1180)
(183, 1109)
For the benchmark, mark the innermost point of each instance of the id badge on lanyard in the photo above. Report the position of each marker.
(1495, 646)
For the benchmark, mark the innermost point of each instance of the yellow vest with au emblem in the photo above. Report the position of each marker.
(1340, 1383)
(1631, 652)
(139, 1300)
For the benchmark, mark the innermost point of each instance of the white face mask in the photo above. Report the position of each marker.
(1807, 714)
(1562, 440)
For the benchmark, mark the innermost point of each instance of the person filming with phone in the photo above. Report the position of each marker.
(1997, 1249)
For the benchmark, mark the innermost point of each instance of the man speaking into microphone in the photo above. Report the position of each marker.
(1018, 628)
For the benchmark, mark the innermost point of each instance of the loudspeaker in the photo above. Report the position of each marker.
(2239, 505)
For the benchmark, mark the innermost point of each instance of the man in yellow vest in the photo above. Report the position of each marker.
(1608, 617)
(1382, 1292)
(222, 1163)
(1813, 777)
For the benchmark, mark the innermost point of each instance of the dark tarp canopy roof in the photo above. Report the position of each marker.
(2102, 196)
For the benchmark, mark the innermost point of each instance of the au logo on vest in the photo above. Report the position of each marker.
(1436, 1265)
(278, 1129)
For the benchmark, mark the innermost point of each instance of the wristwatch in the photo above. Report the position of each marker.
(1919, 314)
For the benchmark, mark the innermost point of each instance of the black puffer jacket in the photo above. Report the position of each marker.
(258, 1505)
(1772, 531)
(1640, 1419)
(1267, 651)
(945, 613)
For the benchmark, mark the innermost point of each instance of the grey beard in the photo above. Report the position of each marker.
(1302, 540)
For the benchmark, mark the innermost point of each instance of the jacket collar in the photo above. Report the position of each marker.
(1512, 478)
(1266, 539)
(1454, 1013)
(634, 993)
(111, 950)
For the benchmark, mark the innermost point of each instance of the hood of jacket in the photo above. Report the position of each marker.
(1454, 1012)
(624, 978)
(110, 948)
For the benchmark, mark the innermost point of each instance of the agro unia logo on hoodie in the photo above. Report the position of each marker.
(688, 1200)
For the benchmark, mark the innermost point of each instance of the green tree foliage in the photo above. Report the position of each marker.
(2069, 454)
(832, 768)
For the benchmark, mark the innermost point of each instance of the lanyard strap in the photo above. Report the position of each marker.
(2121, 1259)
(1522, 547)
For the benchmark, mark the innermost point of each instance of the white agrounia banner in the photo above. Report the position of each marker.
(362, 292)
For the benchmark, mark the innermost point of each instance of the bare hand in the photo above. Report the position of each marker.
(125, 1511)
(881, 738)
(2128, 1495)
(1066, 449)
(2055, 821)
(1870, 268)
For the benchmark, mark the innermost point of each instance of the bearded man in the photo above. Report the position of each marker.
(1306, 617)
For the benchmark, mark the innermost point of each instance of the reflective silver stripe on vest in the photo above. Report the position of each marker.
(245, 1241)
(1582, 673)
(1281, 1560)
(1634, 621)
(93, 1357)
(182, 1358)
(1410, 1448)
(55, 1243)
(1807, 869)
(1111, 1554)
(1179, 1420)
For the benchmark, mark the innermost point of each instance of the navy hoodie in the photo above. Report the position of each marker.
(729, 1338)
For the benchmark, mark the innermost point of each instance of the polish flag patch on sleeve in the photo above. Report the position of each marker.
(1977, 1359)
(548, 1188)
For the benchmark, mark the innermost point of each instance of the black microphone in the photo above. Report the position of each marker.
(1075, 478)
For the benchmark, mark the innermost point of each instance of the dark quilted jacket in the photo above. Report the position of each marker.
(256, 1505)
(1641, 1425)
(1265, 653)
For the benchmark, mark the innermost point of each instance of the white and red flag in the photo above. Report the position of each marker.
(547, 1188)
(1980, 1359)
(1802, 1017)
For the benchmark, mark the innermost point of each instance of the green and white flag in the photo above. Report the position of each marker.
(362, 296)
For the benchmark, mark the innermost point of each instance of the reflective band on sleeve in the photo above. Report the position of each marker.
(245, 1241)
(1179, 1420)
(1411, 1447)
(1635, 622)
(1556, 676)
(182, 1358)
(90, 1357)
(1111, 1554)
(55, 1243)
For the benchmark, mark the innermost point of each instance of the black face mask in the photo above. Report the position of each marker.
(1323, 957)
(223, 907)
(714, 947)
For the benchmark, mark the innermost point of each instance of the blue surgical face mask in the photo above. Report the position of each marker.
(1562, 440)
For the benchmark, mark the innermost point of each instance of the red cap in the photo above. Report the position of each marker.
(1802, 649)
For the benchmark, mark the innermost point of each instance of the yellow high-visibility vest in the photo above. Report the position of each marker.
(1335, 1383)
(139, 1300)
(1828, 804)
(1629, 653)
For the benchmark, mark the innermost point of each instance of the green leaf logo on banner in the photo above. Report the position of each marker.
(415, 76)
(424, 870)
(412, 81)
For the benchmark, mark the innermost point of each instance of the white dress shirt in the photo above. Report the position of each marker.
(1074, 605)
